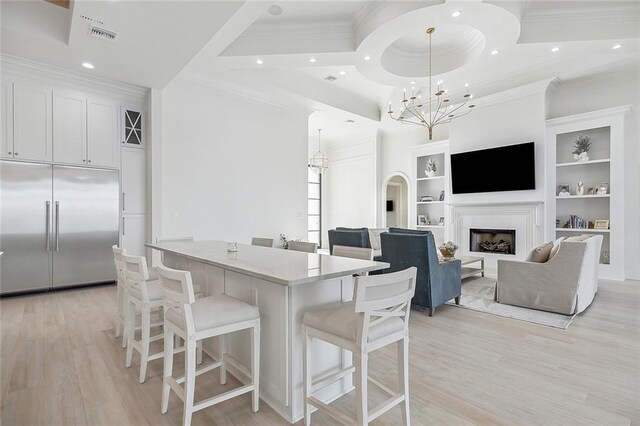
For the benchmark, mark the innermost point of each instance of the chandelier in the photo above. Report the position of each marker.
(413, 110)
(319, 161)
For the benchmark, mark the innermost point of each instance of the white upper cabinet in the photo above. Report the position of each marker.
(102, 133)
(69, 128)
(133, 180)
(31, 122)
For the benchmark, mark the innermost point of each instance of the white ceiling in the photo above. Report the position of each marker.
(221, 43)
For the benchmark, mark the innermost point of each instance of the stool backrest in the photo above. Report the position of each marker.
(136, 272)
(264, 242)
(177, 292)
(119, 262)
(383, 297)
(303, 246)
(353, 252)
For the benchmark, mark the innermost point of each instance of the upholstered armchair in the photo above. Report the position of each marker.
(436, 283)
(565, 284)
(350, 237)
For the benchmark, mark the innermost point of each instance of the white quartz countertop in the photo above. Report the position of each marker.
(284, 267)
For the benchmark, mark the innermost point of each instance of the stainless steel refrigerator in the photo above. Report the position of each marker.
(57, 226)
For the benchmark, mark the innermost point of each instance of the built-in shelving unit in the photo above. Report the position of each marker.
(601, 178)
(427, 215)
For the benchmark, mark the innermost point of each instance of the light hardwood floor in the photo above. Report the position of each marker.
(62, 365)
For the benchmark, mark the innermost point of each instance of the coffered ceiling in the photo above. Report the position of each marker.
(347, 59)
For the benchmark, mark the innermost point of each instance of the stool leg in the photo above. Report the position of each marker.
(168, 368)
(255, 366)
(125, 315)
(223, 368)
(199, 352)
(146, 331)
(189, 379)
(131, 331)
(119, 309)
(403, 375)
(306, 374)
(361, 361)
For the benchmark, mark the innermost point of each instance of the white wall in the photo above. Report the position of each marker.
(349, 196)
(616, 89)
(231, 168)
(506, 123)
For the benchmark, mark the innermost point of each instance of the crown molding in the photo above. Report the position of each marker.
(626, 70)
(322, 29)
(585, 15)
(599, 114)
(535, 88)
(244, 91)
(49, 72)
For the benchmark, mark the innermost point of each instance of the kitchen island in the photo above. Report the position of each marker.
(283, 284)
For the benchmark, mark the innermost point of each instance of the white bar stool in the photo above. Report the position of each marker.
(304, 246)
(378, 317)
(121, 296)
(144, 295)
(196, 320)
(264, 242)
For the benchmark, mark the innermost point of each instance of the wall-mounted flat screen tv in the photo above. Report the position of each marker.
(506, 168)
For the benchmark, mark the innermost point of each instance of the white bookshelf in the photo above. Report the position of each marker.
(605, 129)
(433, 186)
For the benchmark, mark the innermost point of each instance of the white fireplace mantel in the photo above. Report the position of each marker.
(526, 218)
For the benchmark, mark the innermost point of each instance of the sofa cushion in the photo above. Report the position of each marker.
(578, 238)
(374, 238)
(556, 247)
(541, 253)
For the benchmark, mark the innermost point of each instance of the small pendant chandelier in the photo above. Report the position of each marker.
(412, 110)
(319, 161)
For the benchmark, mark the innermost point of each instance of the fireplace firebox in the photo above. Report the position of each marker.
(499, 241)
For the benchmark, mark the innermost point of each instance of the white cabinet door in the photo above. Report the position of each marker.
(132, 230)
(69, 128)
(6, 117)
(103, 148)
(32, 122)
(133, 174)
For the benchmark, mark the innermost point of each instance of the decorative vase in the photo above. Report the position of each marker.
(582, 157)
(447, 254)
(430, 173)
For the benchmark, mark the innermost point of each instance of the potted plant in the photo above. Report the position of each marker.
(581, 148)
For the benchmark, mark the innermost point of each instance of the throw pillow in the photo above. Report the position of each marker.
(540, 254)
(578, 238)
(555, 248)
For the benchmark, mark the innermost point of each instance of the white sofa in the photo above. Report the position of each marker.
(565, 284)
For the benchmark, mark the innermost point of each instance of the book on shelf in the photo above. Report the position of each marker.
(576, 222)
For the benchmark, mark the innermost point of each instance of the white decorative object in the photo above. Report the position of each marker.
(602, 188)
(232, 247)
(431, 168)
(582, 147)
(580, 188)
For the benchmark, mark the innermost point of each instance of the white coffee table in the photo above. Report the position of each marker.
(471, 271)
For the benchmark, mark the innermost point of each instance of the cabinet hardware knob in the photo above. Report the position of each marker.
(15, 153)
(84, 161)
(10, 153)
(89, 161)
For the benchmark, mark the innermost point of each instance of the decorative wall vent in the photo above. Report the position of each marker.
(330, 78)
(132, 127)
(102, 33)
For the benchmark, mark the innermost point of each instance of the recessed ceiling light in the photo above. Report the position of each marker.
(617, 46)
(259, 62)
(342, 73)
(275, 10)
(495, 51)
(456, 13)
(312, 60)
(413, 83)
(555, 49)
(366, 58)
(87, 65)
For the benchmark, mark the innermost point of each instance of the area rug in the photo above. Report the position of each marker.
(478, 293)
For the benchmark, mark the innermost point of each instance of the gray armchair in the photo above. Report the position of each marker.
(436, 283)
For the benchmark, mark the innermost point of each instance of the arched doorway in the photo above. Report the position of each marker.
(397, 202)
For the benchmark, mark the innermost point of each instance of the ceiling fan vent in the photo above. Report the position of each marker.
(102, 33)
(330, 78)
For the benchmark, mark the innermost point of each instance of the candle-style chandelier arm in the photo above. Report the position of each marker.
(411, 109)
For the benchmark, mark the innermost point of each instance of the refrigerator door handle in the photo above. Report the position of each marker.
(123, 226)
(48, 227)
(57, 226)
